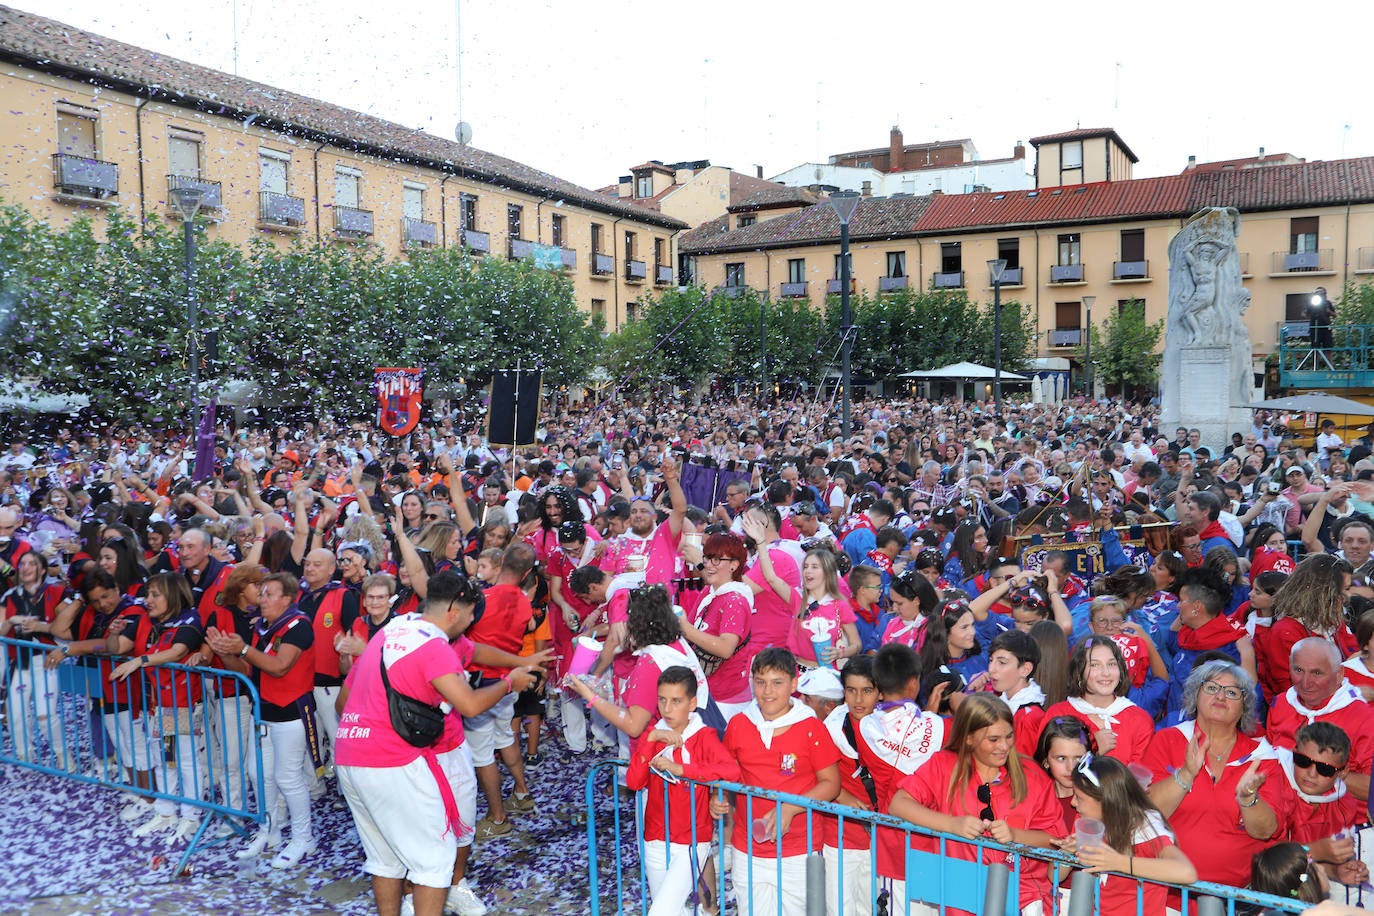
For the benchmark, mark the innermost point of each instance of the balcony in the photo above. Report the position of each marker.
(84, 179)
(419, 233)
(1302, 262)
(281, 212)
(1014, 276)
(477, 241)
(663, 275)
(1066, 273)
(636, 271)
(352, 223)
(519, 249)
(949, 279)
(732, 292)
(833, 286)
(210, 196)
(1364, 261)
(1131, 270)
(1066, 337)
(888, 284)
(792, 290)
(603, 265)
(568, 257)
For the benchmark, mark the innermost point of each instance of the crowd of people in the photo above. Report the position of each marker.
(991, 624)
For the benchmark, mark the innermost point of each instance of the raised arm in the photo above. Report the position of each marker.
(672, 476)
(410, 559)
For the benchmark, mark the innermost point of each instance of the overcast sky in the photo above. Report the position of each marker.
(588, 88)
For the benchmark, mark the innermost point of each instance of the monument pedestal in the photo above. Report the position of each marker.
(1204, 397)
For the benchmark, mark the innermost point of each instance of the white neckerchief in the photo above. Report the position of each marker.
(1343, 697)
(1285, 757)
(1106, 713)
(1153, 827)
(681, 754)
(668, 656)
(904, 736)
(906, 626)
(799, 712)
(1029, 695)
(834, 723)
(1357, 665)
(729, 588)
(1254, 621)
(1263, 749)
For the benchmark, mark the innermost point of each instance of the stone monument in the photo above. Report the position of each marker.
(1207, 377)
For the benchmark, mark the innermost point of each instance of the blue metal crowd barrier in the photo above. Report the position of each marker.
(935, 882)
(184, 736)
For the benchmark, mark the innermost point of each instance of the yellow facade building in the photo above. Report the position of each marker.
(93, 123)
(1303, 225)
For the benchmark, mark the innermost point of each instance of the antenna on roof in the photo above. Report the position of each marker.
(235, 28)
(464, 131)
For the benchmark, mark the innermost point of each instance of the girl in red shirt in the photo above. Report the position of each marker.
(1138, 841)
(1097, 697)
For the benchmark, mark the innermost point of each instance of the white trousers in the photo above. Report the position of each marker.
(668, 870)
(573, 711)
(858, 882)
(33, 707)
(187, 775)
(758, 891)
(232, 740)
(284, 758)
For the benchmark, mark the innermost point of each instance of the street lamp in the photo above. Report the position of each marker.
(995, 268)
(844, 204)
(1088, 347)
(186, 199)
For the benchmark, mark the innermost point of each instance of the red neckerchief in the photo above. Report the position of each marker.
(1073, 585)
(881, 560)
(868, 615)
(1215, 633)
(1214, 530)
(857, 522)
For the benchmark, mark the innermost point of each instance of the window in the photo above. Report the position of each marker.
(1009, 250)
(689, 270)
(839, 266)
(629, 246)
(644, 186)
(272, 171)
(1132, 244)
(951, 257)
(599, 309)
(183, 152)
(596, 238)
(413, 201)
(1070, 250)
(1071, 155)
(896, 263)
(347, 187)
(748, 220)
(630, 309)
(796, 270)
(1302, 234)
(734, 275)
(467, 211)
(1133, 303)
(1295, 306)
(76, 130)
(556, 222)
(658, 254)
(1068, 315)
(515, 215)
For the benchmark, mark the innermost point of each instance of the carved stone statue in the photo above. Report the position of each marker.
(1207, 376)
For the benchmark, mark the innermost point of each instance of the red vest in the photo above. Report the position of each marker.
(178, 689)
(328, 623)
(294, 684)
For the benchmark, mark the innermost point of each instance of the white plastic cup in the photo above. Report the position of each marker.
(585, 653)
(1089, 832)
(761, 834)
(1142, 774)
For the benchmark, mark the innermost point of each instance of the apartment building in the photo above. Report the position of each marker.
(94, 123)
(1105, 235)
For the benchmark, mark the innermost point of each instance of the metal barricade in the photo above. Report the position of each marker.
(188, 739)
(936, 882)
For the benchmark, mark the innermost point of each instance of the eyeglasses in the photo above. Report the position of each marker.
(876, 588)
(1231, 693)
(1302, 762)
(716, 559)
(985, 798)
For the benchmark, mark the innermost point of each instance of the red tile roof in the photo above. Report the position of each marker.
(874, 218)
(1303, 184)
(49, 45)
(1083, 203)
(1249, 162)
(1084, 133)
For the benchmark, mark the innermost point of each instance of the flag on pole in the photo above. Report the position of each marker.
(398, 399)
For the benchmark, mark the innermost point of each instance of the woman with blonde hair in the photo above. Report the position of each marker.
(1310, 603)
(979, 787)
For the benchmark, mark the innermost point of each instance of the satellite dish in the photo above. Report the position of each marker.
(463, 133)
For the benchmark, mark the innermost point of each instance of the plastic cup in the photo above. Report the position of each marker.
(1142, 774)
(636, 562)
(820, 644)
(1089, 832)
(761, 834)
(584, 656)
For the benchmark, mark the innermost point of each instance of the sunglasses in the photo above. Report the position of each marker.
(1085, 767)
(985, 798)
(1302, 762)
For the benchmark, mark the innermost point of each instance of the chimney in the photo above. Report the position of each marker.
(1192, 161)
(1020, 151)
(1261, 152)
(758, 171)
(867, 189)
(895, 149)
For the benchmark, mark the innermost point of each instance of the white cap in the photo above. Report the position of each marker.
(821, 682)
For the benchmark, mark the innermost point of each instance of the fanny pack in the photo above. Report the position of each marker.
(418, 724)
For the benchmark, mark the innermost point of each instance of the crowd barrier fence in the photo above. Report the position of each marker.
(935, 882)
(187, 738)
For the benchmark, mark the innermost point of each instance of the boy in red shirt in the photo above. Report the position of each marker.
(779, 745)
(1013, 657)
(678, 746)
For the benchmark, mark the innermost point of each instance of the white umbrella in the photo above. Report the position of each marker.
(1037, 391)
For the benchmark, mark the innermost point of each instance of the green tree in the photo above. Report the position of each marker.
(1124, 350)
(1356, 304)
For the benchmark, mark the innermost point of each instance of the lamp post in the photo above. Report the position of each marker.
(995, 268)
(187, 200)
(1088, 347)
(844, 204)
(763, 348)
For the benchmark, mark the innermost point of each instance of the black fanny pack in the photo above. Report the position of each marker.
(418, 724)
